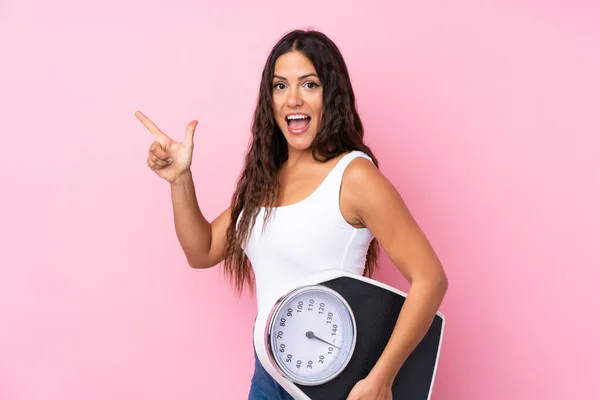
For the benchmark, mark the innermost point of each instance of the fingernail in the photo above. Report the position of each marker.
(169, 160)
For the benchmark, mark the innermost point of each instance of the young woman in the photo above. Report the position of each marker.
(310, 197)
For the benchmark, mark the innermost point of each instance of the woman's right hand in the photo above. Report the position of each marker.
(167, 158)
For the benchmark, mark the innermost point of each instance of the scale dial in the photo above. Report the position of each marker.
(311, 334)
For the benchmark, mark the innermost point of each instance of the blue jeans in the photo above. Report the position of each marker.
(264, 387)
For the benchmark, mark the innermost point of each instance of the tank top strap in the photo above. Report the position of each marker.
(333, 183)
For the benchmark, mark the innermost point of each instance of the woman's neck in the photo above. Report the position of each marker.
(298, 157)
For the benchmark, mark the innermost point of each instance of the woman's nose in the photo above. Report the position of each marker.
(294, 98)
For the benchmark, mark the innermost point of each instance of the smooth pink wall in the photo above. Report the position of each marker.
(486, 118)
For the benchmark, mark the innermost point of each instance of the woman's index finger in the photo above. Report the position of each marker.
(151, 126)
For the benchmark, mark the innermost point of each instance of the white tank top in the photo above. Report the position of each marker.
(305, 238)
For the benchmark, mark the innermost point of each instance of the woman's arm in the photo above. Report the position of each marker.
(372, 200)
(202, 242)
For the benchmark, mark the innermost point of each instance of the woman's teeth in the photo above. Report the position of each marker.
(290, 118)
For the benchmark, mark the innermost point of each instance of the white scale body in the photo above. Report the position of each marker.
(321, 337)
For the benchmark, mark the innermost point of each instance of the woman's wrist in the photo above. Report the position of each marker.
(183, 178)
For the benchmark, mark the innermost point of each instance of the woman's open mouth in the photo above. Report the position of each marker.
(297, 123)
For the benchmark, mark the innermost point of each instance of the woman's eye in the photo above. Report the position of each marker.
(312, 85)
(279, 86)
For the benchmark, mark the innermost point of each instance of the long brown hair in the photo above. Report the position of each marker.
(340, 130)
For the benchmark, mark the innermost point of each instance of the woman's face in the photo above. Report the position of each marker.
(297, 99)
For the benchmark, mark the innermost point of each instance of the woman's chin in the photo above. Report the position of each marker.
(300, 143)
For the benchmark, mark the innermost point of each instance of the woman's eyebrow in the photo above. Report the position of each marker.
(300, 78)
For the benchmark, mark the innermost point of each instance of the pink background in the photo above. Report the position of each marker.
(485, 116)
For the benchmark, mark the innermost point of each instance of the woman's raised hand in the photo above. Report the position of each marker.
(167, 158)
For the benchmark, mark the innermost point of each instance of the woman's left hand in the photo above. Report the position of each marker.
(369, 389)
